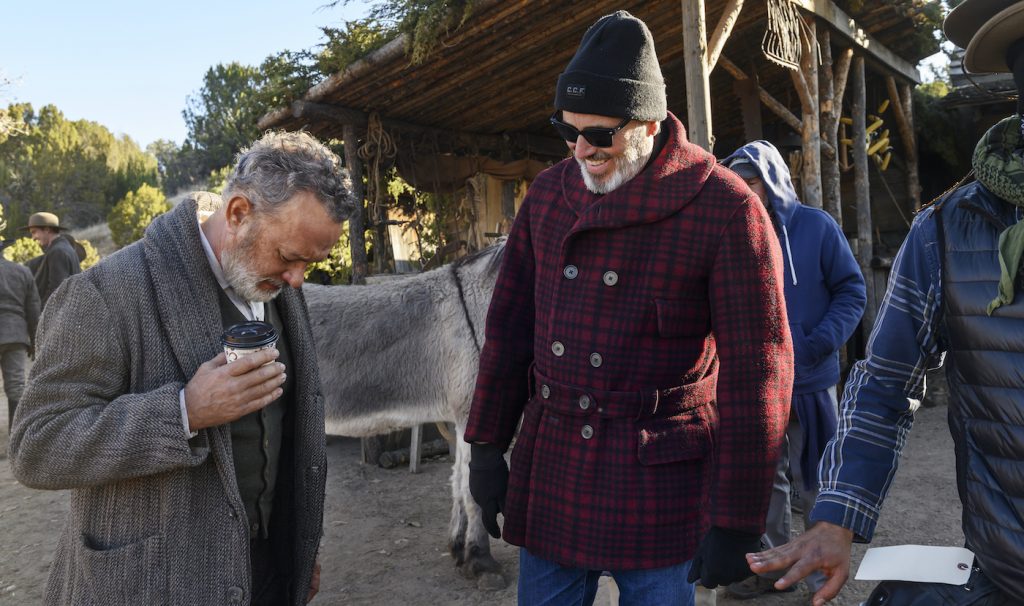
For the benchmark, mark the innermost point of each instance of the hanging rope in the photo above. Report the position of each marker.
(379, 146)
(781, 42)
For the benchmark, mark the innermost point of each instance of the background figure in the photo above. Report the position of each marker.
(194, 481)
(953, 297)
(638, 329)
(19, 314)
(59, 260)
(825, 298)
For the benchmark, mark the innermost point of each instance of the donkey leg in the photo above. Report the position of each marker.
(457, 525)
(478, 563)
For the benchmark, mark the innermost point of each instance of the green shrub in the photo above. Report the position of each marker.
(130, 217)
(22, 249)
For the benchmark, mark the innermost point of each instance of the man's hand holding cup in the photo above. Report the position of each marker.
(243, 379)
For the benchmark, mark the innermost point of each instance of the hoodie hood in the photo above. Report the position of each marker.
(768, 162)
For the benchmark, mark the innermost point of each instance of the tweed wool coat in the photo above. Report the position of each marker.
(155, 518)
(642, 337)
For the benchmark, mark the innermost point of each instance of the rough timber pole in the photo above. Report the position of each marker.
(903, 107)
(356, 226)
(371, 447)
(862, 187)
(698, 90)
(831, 110)
(806, 83)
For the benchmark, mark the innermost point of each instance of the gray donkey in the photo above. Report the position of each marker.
(405, 352)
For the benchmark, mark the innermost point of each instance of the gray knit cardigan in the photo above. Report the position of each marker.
(155, 519)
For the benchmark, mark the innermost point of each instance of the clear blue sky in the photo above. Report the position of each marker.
(131, 65)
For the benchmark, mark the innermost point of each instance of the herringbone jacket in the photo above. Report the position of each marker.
(642, 337)
(155, 518)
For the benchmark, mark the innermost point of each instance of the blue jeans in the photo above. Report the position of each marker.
(545, 583)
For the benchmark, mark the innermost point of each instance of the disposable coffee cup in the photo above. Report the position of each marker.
(248, 338)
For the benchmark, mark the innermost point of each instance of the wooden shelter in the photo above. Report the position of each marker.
(480, 103)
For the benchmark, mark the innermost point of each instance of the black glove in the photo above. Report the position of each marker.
(721, 557)
(488, 480)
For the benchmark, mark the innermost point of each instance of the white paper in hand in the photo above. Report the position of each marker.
(919, 563)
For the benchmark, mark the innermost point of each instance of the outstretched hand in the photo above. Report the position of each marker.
(825, 547)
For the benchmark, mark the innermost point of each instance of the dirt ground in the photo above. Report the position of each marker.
(385, 530)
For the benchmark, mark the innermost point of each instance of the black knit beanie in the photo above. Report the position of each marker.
(614, 73)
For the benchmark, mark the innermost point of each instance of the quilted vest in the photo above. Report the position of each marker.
(985, 369)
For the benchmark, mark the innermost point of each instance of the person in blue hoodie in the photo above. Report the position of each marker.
(825, 298)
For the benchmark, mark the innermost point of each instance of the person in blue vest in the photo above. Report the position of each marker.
(825, 299)
(955, 298)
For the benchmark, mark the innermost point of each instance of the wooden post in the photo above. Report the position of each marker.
(862, 187)
(356, 223)
(698, 90)
(806, 82)
(831, 109)
(726, 22)
(750, 107)
(370, 448)
(902, 103)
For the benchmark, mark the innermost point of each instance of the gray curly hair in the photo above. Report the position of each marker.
(281, 164)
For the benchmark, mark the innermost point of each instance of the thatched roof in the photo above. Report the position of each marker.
(489, 86)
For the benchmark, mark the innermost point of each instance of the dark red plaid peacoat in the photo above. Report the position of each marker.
(612, 320)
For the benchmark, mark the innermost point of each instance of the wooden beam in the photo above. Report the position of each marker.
(831, 110)
(547, 146)
(806, 82)
(862, 187)
(902, 108)
(357, 222)
(769, 101)
(848, 28)
(722, 32)
(750, 107)
(842, 72)
(698, 89)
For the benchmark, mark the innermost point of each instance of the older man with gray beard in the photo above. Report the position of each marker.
(194, 481)
(638, 330)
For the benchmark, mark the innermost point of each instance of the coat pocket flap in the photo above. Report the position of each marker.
(673, 439)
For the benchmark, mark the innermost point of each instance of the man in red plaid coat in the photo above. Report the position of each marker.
(638, 329)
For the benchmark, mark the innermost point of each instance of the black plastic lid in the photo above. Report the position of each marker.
(249, 335)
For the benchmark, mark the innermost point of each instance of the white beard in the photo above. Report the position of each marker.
(628, 164)
(242, 278)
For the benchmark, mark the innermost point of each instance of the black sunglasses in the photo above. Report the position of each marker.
(595, 135)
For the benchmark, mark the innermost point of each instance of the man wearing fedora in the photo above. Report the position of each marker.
(19, 314)
(638, 329)
(59, 260)
(954, 297)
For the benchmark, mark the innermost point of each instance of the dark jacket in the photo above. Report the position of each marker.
(642, 337)
(985, 355)
(825, 291)
(59, 262)
(19, 304)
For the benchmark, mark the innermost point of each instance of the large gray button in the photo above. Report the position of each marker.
(557, 348)
(596, 360)
(584, 401)
(570, 272)
(587, 432)
(235, 595)
(545, 392)
(610, 278)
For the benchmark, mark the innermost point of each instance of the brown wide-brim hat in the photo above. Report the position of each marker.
(986, 29)
(44, 220)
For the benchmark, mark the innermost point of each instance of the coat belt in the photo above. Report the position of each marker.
(565, 399)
